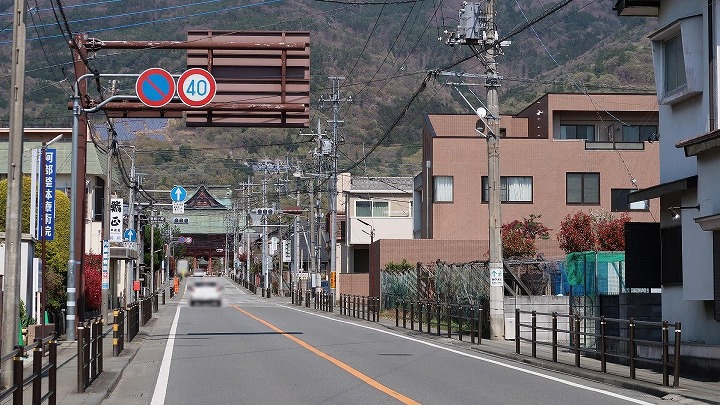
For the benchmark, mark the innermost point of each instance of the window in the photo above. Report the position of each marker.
(619, 201)
(365, 208)
(572, 131)
(442, 189)
(512, 189)
(582, 188)
(678, 50)
(674, 63)
(639, 133)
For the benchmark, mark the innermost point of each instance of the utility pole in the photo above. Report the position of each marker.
(13, 212)
(332, 185)
(265, 270)
(477, 30)
(108, 194)
(131, 223)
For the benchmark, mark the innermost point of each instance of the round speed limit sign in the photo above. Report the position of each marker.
(196, 87)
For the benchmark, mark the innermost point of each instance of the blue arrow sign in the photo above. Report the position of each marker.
(130, 235)
(178, 194)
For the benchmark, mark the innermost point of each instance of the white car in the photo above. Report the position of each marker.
(204, 290)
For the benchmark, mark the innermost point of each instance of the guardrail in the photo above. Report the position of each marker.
(145, 310)
(133, 320)
(324, 301)
(630, 342)
(457, 319)
(90, 354)
(298, 296)
(118, 331)
(154, 299)
(361, 307)
(39, 370)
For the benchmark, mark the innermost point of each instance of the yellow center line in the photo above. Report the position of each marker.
(366, 379)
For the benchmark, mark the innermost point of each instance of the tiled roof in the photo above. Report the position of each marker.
(382, 183)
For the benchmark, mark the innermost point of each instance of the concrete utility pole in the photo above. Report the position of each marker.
(265, 270)
(131, 224)
(477, 30)
(13, 212)
(332, 185)
(108, 196)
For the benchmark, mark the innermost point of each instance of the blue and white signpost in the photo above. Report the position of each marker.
(178, 195)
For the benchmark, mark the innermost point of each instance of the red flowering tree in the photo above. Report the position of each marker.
(518, 237)
(584, 232)
(92, 266)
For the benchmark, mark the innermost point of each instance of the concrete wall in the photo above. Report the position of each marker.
(546, 304)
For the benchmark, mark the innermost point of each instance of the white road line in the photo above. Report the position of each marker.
(158, 397)
(487, 360)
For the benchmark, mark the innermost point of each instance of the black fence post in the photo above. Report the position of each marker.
(37, 371)
(18, 376)
(603, 357)
(534, 333)
(676, 367)
(412, 315)
(517, 331)
(554, 336)
(80, 359)
(631, 355)
(449, 320)
(397, 314)
(665, 354)
(437, 315)
(577, 340)
(52, 371)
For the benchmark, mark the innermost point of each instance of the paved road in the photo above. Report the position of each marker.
(253, 350)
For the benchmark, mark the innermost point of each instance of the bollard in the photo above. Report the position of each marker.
(163, 296)
(397, 314)
(412, 315)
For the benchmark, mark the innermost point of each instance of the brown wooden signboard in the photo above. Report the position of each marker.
(273, 83)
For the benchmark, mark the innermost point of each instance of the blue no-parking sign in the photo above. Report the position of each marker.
(155, 87)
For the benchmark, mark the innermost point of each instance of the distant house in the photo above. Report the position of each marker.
(562, 154)
(375, 208)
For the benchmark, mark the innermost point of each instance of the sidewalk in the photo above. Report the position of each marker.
(113, 367)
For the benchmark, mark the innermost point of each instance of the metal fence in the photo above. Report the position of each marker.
(133, 320)
(146, 305)
(90, 352)
(447, 319)
(118, 331)
(628, 356)
(39, 370)
(361, 307)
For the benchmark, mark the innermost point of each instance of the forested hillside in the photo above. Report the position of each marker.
(384, 50)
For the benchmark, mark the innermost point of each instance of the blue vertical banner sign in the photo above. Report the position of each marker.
(46, 216)
(106, 265)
